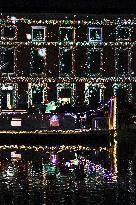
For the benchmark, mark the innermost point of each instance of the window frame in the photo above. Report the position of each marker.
(60, 62)
(73, 34)
(99, 86)
(117, 58)
(89, 39)
(117, 33)
(39, 27)
(31, 61)
(64, 85)
(2, 49)
(7, 38)
(101, 61)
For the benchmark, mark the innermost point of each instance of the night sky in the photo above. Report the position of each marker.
(69, 6)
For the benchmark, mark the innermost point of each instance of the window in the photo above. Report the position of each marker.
(6, 99)
(122, 61)
(64, 92)
(9, 32)
(37, 95)
(124, 94)
(38, 60)
(22, 95)
(38, 33)
(95, 34)
(7, 60)
(52, 92)
(94, 96)
(65, 61)
(66, 34)
(7, 96)
(94, 61)
(123, 33)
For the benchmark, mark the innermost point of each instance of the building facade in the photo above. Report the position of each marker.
(70, 58)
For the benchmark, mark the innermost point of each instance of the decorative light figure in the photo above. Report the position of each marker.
(42, 52)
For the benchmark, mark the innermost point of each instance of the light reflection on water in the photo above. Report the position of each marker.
(58, 175)
(69, 175)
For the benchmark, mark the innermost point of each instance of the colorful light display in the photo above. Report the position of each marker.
(46, 51)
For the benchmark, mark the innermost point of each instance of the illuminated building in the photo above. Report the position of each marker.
(71, 58)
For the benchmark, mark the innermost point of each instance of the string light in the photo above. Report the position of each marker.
(66, 42)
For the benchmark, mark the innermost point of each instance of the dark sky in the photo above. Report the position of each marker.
(70, 6)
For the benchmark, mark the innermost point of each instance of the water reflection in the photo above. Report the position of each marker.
(57, 175)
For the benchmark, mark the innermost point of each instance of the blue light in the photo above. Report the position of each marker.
(54, 117)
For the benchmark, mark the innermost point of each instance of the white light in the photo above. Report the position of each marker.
(13, 18)
(28, 36)
(42, 52)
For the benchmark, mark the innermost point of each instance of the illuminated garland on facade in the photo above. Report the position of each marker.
(122, 79)
(69, 44)
(81, 21)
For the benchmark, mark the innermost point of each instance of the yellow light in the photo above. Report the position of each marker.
(115, 113)
(115, 157)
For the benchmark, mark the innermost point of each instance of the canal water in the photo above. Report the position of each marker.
(69, 174)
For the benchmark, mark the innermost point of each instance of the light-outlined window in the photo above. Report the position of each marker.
(9, 33)
(94, 61)
(7, 57)
(7, 96)
(38, 60)
(38, 33)
(123, 93)
(65, 61)
(66, 34)
(123, 33)
(122, 61)
(65, 92)
(37, 95)
(95, 34)
(92, 94)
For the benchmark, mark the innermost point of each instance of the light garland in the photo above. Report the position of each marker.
(84, 20)
(68, 27)
(74, 44)
(121, 79)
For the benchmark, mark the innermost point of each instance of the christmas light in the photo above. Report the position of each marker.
(94, 43)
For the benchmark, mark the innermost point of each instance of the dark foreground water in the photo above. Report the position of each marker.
(68, 174)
